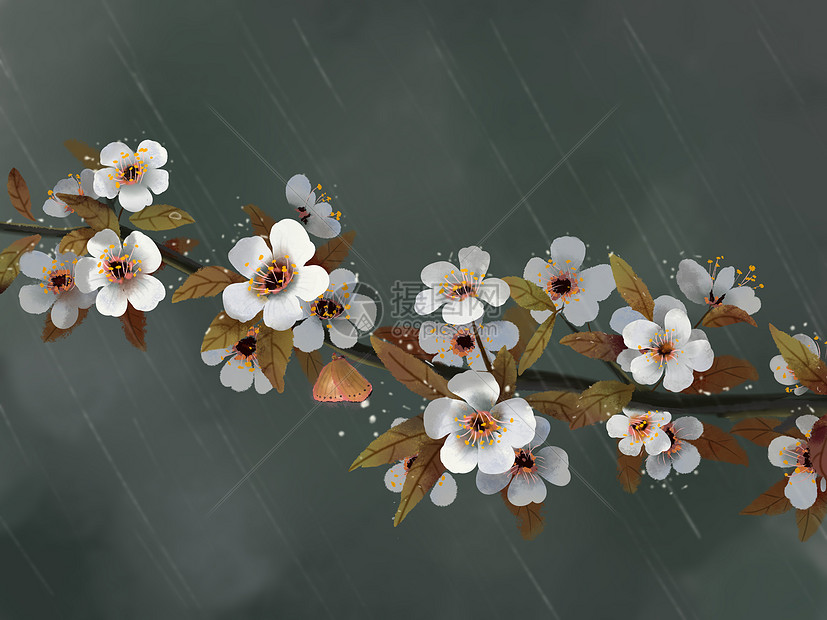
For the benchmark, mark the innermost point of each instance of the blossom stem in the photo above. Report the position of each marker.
(483, 352)
(703, 317)
(119, 214)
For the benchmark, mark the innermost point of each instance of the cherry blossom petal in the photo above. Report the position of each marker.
(113, 153)
(568, 252)
(629, 446)
(723, 282)
(694, 281)
(35, 264)
(541, 430)
(240, 303)
(553, 465)
(297, 191)
(494, 458)
(657, 442)
(430, 333)
(664, 304)
(540, 315)
(143, 249)
(87, 183)
(102, 242)
(56, 208)
(309, 282)
(801, 490)
(474, 261)
(743, 297)
(261, 382)
(597, 282)
(494, 291)
(524, 490)
(133, 198)
(625, 358)
(395, 478)
(678, 323)
(460, 312)
(236, 375)
(152, 154)
(805, 423)
(474, 360)
(34, 299)
(322, 226)
(488, 484)
(111, 300)
(436, 274)
(679, 375)
(499, 334)
(157, 181)
(478, 389)
(289, 238)
(281, 311)
(781, 451)
(457, 456)
(343, 334)
(104, 183)
(248, 254)
(516, 415)
(308, 336)
(444, 492)
(580, 310)
(144, 292)
(807, 342)
(536, 271)
(442, 414)
(640, 334)
(646, 369)
(362, 312)
(697, 354)
(88, 276)
(618, 425)
(658, 466)
(64, 312)
(428, 301)
(687, 427)
(341, 277)
(213, 357)
(687, 459)
(622, 317)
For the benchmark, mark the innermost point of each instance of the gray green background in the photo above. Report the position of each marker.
(428, 121)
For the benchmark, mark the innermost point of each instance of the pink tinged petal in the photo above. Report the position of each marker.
(658, 466)
(694, 281)
(436, 274)
(431, 334)
(298, 190)
(478, 389)
(102, 242)
(502, 334)
(240, 303)
(261, 382)
(88, 276)
(474, 260)
(801, 490)
(341, 277)
(152, 154)
(567, 252)
(64, 312)
(535, 271)
(518, 417)
(214, 357)
(640, 334)
(629, 446)
(87, 183)
(659, 418)
(580, 310)
(805, 423)
(395, 478)
(494, 291)
(723, 281)
(677, 323)
(34, 299)
(111, 154)
(35, 264)
(157, 181)
(343, 333)
(248, 254)
(541, 430)
(664, 304)
(289, 238)
(86, 299)
(236, 375)
(495, 458)
(55, 209)
(625, 358)
(111, 300)
(281, 311)
(697, 354)
(540, 315)
(743, 297)
(687, 459)
(428, 301)
(323, 226)
(657, 442)
(309, 282)
(444, 492)
(488, 484)
(781, 451)
(133, 198)
(524, 490)
(442, 416)
(458, 457)
(308, 336)
(678, 377)
(646, 369)
(553, 465)
(687, 427)
(460, 312)
(597, 282)
(144, 292)
(807, 342)
(104, 183)
(622, 317)
(142, 248)
(617, 425)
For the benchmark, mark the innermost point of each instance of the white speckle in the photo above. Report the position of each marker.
(341, 433)
(372, 419)
(365, 403)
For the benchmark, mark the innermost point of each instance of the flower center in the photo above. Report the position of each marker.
(60, 280)
(273, 277)
(462, 290)
(119, 268)
(479, 427)
(130, 174)
(663, 347)
(246, 346)
(562, 286)
(523, 460)
(804, 459)
(326, 308)
(409, 463)
(245, 350)
(462, 343)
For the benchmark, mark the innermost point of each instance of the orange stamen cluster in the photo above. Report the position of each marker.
(244, 351)
(118, 267)
(59, 279)
(459, 286)
(563, 283)
(129, 169)
(480, 427)
(272, 277)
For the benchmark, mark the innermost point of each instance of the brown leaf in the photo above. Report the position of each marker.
(161, 217)
(628, 471)
(537, 344)
(529, 520)
(758, 430)
(52, 333)
(134, 327)
(94, 213)
(10, 259)
(807, 367)
(526, 325)
(596, 345)
(528, 295)
(260, 222)
(182, 245)
(725, 373)
(818, 446)
(631, 287)
(558, 405)
(88, 156)
(206, 282)
(76, 240)
(331, 254)
(770, 502)
(601, 401)
(406, 338)
(224, 332)
(717, 445)
(505, 372)
(426, 470)
(809, 520)
(273, 349)
(398, 442)
(311, 364)
(414, 374)
(719, 316)
(19, 195)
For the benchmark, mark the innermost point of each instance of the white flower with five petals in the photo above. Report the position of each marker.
(132, 175)
(121, 272)
(787, 452)
(56, 288)
(78, 185)
(241, 368)
(639, 429)
(680, 455)
(479, 431)
(784, 375)
(524, 479)
(315, 213)
(278, 279)
(714, 288)
(460, 292)
(576, 292)
(453, 345)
